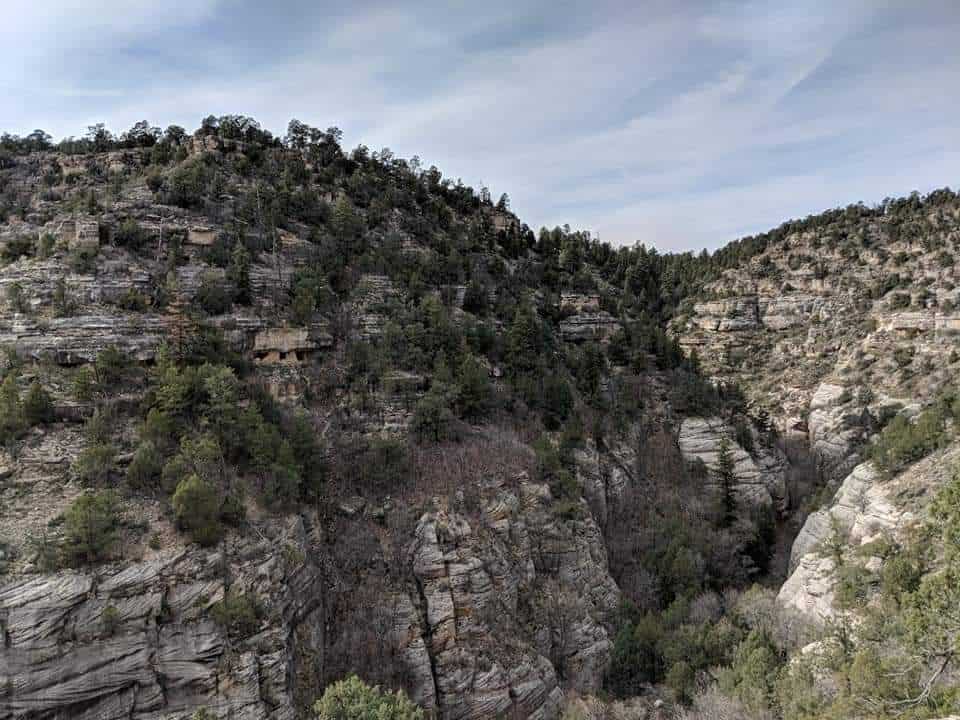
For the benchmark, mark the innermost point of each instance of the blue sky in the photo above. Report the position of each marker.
(680, 124)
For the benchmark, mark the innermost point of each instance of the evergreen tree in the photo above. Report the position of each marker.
(238, 273)
(474, 391)
(344, 223)
(727, 479)
(90, 527)
(196, 504)
(12, 420)
(352, 699)
(37, 405)
(523, 341)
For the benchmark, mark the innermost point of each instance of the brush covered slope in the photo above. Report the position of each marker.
(274, 413)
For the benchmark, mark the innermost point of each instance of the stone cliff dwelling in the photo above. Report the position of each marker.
(283, 345)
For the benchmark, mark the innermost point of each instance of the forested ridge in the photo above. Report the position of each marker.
(229, 330)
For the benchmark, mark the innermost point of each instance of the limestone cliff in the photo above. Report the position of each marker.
(831, 325)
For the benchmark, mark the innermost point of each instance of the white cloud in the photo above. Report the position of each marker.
(674, 123)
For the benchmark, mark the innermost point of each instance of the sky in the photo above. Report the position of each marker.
(680, 124)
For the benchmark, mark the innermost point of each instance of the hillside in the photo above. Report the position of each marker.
(274, 412)
(839, 320)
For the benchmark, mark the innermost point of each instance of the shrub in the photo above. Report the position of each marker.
(238, 614)
(213, 295)
(16, 247)
(154, 180)
(432, 418)
(899, 301)
(475, 394)
(186, 184)
(63, 304)
(37, 405)
(681, 679)
(129, 234)
(282, 482)
(901, 573)
(83, 261)
(90, 527)
(903, 355)
(112, 367)
(196, 504)
(110, 620)
(475, 298)
(853, 582)
(13, 423)
(84, 384)
(352, 699)
(380, 465)
(635, 659)
(145, 466)
(902, 442)
(556, 401)
(303, 304)
(752, 677)
(94, 465)
(133, 301)
(15, 297)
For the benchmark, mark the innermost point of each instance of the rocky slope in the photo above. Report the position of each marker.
(515, 455)
(839, 323)
(471, 577)
(837, 320)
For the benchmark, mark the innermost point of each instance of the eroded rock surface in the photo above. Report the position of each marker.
(137, 640)
(761, 477)
(866, 507)
(511, 598)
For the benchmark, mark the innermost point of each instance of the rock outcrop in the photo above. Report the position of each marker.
(139, 640)
(760, 477)
(512, 597)
(825, 333)
(866, 507)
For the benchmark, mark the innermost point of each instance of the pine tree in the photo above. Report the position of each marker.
(12, 421)
(344, 222)
(238, 273)
(727, 479)
(474, 390)
(352, 699)
(523, 341)
(182, 329)
(37, 406)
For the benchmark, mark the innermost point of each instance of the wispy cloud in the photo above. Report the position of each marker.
(677, 124)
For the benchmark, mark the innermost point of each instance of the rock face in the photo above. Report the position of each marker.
(512, 583)
(835, 430)
(138, 641)
(866, 507)
(826, 333)
(598, 326)
(79, 339)
(505, 606)
(761, 477)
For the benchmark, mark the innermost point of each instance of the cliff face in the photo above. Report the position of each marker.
(830, 327)
(504, 435)
(865, 509)
(136, 639)
(479, 597)
(496, 608)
